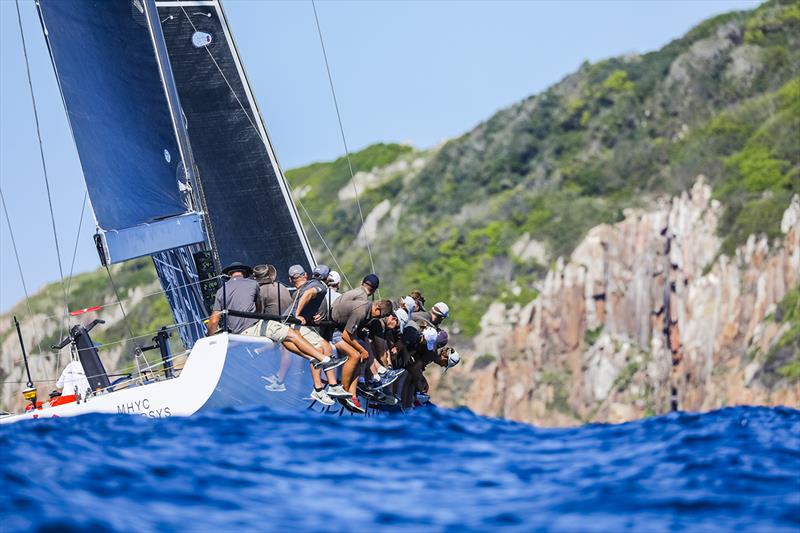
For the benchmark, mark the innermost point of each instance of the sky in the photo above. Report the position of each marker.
(418, 72)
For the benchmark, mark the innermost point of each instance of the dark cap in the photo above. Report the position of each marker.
(295, 271)
(321, 272)
(371, 280)
(238, 267)
(441, 339)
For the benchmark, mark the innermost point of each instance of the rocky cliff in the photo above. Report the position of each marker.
(642, 317)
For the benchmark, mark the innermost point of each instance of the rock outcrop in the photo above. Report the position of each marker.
(644, 317)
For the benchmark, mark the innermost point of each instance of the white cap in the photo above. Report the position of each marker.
(334, 278)
(441, 309)
(430, 335)
(452, 360)
(402, 318)
(410, 303)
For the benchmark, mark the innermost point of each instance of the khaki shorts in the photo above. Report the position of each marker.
(274, 331)
(312, 337)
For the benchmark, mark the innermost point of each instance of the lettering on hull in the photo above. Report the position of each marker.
(143, 407)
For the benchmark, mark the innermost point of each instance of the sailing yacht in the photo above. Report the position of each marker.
(179, 166)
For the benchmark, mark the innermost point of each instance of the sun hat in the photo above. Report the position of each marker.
(321, 272)
(265, 273)
(238, 267)
(371, 280)
(402, 318)
(295, 271)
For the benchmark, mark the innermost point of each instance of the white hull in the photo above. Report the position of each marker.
(221, 371)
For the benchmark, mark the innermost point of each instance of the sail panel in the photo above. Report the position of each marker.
(181, 284)
(247, 203)
(109, 79)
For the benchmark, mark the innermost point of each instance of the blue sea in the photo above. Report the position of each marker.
(431, 470)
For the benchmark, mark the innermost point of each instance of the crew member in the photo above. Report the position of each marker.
(240, 293)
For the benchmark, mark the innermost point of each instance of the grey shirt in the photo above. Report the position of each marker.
(349, 313)
(275, 298)
(241, 295)
(423, 318)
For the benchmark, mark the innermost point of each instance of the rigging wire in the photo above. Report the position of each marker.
(44, 164)
(19, 263)
(122, 307)
(148, 295)
(344, 138)
(110, 344)
(291, 190)
(319, 234)
(77, 240)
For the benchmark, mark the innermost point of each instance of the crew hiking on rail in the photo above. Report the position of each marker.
(382, 346)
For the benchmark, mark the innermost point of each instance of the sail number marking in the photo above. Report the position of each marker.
(142, 407)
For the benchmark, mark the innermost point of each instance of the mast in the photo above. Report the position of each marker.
(173, 100)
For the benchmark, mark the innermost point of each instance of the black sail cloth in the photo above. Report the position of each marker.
(250, 214)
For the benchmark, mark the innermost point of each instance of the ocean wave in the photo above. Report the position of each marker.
(434, 469)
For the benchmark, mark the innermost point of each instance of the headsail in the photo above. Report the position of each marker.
(250, 214)
(107, 69)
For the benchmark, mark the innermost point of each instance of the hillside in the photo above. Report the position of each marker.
(485, 220)
(721, 101)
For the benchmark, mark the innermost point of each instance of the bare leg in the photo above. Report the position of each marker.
(286, 363)
(350, 366)
(301, 346)
(289, 345)
(316, 377)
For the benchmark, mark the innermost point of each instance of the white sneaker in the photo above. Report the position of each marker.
(272, 378)
(322, 397)
(337, 391)
(275, 386)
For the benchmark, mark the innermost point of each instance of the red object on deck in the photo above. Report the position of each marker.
(85, 310)
(61, 400)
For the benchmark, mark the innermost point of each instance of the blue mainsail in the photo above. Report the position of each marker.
(107, 69)
(133, 150)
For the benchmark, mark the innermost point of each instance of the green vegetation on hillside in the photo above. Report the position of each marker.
(720, 101)
(784, 357)
(319, 185)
